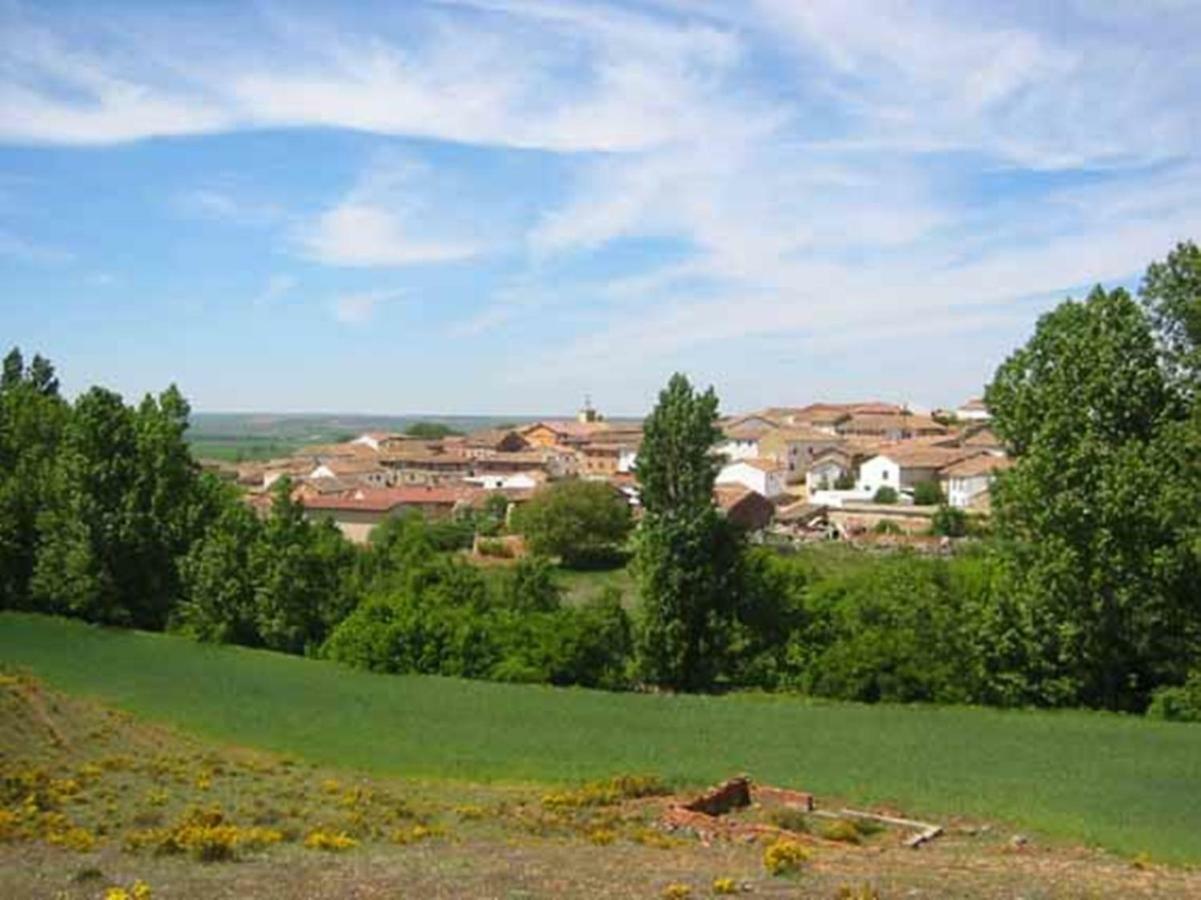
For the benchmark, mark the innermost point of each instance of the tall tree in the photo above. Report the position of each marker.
(687, 555)
(1171, 293)
(1101, 568)
(32, 416)
(88, 557)
(126, 503)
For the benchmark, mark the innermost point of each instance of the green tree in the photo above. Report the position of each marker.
(928, 493)
(430, 430)
(1102, 565)
(302, 577)
(32, 417)
(581, 522)
(687, 556)
(949, 521)
(885, 494)
(219, 580)
(89, 556)
(1171, 294)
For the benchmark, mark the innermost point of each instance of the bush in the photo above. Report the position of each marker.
(1180, 703)
(581, 522)
(927, 493)
(949, 521)
(494, 547)
(844, 482)
(887, 526)
(886, 494)
(784, 857)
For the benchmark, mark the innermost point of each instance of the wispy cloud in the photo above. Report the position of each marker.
(223, 205)
(388, 219)
(36, 253)
(276, 287)
(360, 308)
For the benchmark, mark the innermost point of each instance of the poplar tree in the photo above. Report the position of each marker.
(687, 555)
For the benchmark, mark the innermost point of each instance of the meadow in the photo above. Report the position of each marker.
(1122, 783)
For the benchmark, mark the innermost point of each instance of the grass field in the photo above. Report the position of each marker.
(1123, 783)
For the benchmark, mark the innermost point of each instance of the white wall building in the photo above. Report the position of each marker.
(765, 476)
(966, 481)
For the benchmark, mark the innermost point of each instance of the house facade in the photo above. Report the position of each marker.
(764, 476)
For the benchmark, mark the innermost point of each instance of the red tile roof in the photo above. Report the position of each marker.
(385, 499)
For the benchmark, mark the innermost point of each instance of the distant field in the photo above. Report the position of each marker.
(251, 436)
(1119, 782)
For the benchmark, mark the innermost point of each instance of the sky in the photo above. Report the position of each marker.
(493, 206)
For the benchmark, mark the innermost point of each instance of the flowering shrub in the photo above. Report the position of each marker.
(842, 830)
(725, 886)
(784, 856)
(204, 835)
(333, 841)
(676, 891)
(140, 890)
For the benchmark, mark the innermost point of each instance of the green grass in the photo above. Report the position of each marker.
(1121, 782)
(584, 584)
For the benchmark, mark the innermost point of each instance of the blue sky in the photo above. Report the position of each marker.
(502, 205)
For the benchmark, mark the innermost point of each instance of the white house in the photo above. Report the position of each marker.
(501, 481)
(902, 468)
(359, 471)
(973, 411)
(966, 481)
(766, 476)
(742, 435)
(825, 470)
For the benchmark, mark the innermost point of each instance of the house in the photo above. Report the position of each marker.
(796, 447)
(561, 432)
(826, 469)
(741, 435)
(828, 416)
(903, 467)
(982, 437)
(354, 471)
(427, 467)
(743, 506)
(766, 476)
(889, 426)
(356, 513)
(508, 482)
(375, 440)
(608, 454)
(964, 482)
(973, 410)
(491, 441)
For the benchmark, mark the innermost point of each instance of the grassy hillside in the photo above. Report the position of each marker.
(1123, 783)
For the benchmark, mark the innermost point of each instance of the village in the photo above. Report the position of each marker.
(868, 471)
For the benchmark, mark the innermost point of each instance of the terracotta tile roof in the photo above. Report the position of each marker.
(981, 464)
(385, 499)
(923, 456)
(353, 465)
(801, 433)
(747, 428)
(763, 464)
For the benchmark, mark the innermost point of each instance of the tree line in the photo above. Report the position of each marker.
(1086, 592)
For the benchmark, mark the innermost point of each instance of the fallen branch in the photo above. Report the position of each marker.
(926, 830)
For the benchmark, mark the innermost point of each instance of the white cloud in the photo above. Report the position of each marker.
(223, 205)
(358, 309)
(565, 77)
(390, 218)
(276, 287)
(18, 248)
